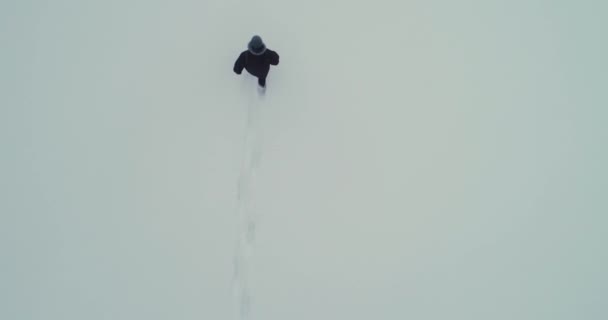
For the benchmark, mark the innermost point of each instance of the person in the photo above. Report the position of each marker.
(256, 60)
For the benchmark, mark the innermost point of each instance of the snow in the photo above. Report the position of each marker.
(422, 159)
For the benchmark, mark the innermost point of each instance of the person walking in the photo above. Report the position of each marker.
(257, 60)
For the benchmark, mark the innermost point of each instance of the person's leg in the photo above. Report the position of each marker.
(262, 82)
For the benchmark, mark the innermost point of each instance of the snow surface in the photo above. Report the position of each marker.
(409, 160)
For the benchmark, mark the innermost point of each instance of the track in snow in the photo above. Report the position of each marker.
(246, 216)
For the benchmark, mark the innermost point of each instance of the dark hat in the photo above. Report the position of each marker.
(257, 46)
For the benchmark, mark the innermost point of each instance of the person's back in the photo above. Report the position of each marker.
(256, 60)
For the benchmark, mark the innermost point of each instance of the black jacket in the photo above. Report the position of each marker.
(256, 65)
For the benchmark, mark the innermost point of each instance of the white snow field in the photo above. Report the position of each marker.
(409, 160)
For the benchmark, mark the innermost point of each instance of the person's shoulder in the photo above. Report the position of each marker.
(271, 52)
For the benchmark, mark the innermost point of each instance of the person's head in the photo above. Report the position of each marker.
(256, 46)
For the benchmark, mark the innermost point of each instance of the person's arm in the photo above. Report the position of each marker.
(273, 57)
(239, 65)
